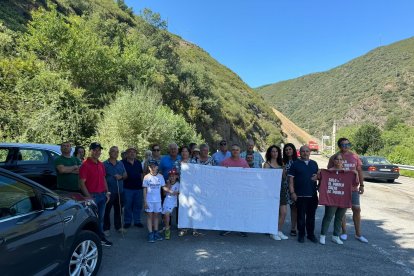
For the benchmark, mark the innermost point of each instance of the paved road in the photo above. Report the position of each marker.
(387, 223)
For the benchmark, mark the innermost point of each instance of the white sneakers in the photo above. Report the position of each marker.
(337, 240)
(280, 236)
(361, 239)
(322, 239)
(344, 237)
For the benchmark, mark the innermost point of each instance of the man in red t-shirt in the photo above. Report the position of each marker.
(352, 163)
(93, 184)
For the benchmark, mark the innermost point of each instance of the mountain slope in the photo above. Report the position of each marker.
(97, 48)
(374, 87)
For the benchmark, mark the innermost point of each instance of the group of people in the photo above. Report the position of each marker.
(128, 185)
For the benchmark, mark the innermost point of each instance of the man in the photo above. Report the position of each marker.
(93, 184)
(250, 160)
(133, 189)
(303, 190)
(67, 169)
(156, 153)
(221, 154)
(352, 162)
(203, 158)
(234, 161)
(257, 157)
(167, 161)
(115, 175)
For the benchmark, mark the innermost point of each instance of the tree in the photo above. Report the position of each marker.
(368, 139)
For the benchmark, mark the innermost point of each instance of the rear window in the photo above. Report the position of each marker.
(377, 161)
(5, 156)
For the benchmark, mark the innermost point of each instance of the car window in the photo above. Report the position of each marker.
(54, 155)
(31, 156)
(16, 198)
(5, 156)
(378, 161)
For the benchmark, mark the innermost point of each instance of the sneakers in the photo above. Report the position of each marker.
(293, 233)
(322, 239)
(106, 243)
(282, 236)
(182, 232)
(151, 237)
(107, 233)
(361, 239)
(275, 237)
(344, 237)
(301, 239)
(167, 234)
(243, 234)
(197, 234)
(337, 240)
(157, 236)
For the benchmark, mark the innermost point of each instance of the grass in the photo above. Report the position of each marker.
(407, 173)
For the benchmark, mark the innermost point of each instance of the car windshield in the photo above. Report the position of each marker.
(378, 161)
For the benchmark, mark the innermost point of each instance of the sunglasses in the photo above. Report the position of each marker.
(156, 150)
(348, 145)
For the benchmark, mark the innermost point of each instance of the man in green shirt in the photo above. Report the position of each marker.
(67, 169)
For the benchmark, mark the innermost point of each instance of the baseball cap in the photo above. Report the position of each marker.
(153, 162)
(131, 148)
(95, 145)
(196, 149)
(173, 171)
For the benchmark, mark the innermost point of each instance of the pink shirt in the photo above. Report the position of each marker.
(351, 163)
(229, 162)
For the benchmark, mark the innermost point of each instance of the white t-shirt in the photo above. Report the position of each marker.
(153, 183)
(171, 200)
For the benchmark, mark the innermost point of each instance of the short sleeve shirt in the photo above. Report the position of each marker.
(114, 185)
(67, 181)
(153, 183)
(351, 163)
(94, 176)
(257, 158)
(171, 200)
(166, 164)
(302, 172)
(229, 162)
(219, 156)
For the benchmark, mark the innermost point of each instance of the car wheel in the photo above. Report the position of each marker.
(85, 255)
(390, 180)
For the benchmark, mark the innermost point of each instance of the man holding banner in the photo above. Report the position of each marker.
(303, 190)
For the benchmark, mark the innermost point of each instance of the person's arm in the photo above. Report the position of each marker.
(83, 188)
(108, 193)
(67, 169)
(145, 197)
(361, 179)
(293, 195)
(265, 166)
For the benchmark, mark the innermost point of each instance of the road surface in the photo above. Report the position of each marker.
(387, 211)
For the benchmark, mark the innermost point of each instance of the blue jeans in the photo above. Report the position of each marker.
(100, 200)
(133, 205)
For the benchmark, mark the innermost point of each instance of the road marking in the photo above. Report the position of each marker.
(393, 259)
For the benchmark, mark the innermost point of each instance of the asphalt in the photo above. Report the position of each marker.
(387, 223)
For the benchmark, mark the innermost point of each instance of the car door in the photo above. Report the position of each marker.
(35, 165)
(31, 239)
(8, 158)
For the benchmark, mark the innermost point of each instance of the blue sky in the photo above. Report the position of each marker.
(265, 41)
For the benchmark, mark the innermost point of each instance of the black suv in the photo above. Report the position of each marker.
(42, 232)
(34, 161)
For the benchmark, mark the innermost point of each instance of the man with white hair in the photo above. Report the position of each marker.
(167, 161)
(257, 157)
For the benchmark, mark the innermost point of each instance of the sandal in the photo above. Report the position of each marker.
(197, 234)
(182, 232)
(293, 233)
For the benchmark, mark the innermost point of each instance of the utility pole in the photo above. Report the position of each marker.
(333, 137)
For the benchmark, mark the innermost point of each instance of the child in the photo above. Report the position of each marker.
(152, 199)
(170, 202)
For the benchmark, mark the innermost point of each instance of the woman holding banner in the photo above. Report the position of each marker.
(289, 156)
(274, 161)
(340, 187)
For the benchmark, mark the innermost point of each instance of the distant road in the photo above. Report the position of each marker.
(294, 133)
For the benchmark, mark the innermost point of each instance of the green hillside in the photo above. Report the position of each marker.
(70, 69)
(373, 88)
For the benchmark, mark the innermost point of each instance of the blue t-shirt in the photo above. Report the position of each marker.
(166, 164)
(219, 156)
(111, 170)
(302, 173)
(134, 172)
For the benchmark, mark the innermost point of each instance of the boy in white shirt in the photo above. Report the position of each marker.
(171, 190)
(152, 184)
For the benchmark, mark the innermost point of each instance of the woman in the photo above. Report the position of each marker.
(330, 211)
(290, 156)
(79, 153)
(274, 161)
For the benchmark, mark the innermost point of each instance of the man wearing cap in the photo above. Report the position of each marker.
(115, 175)
(93, 184)
(167, 161)
(257, 157)
(222, 154)
(67, 169)
(132, 189)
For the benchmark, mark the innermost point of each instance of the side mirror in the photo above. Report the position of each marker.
(49, 202)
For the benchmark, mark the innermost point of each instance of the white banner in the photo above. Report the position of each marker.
(233, 199)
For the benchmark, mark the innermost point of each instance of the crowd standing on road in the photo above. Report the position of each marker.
(129, 185)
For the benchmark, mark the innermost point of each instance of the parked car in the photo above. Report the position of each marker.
(376, 167)
(42, 232)
(34, 161)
